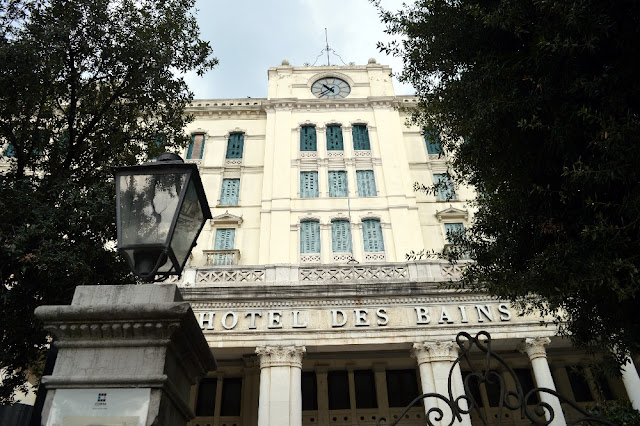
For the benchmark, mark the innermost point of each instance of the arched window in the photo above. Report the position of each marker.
(196, 147)
(360, 137)
(372, 235)
(308, 138)
(309, 237)
(235, 145)
(334, 138)
(341, 236)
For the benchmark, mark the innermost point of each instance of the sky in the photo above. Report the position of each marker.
(249, 36)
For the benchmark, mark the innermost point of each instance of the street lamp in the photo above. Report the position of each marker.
(161, 209)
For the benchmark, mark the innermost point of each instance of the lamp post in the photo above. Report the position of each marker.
(132, 352)
(161, 209)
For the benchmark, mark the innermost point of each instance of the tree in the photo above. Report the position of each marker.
(537, 103)
(84, 86)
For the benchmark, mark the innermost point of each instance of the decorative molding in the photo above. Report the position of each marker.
(441, 350)
(280, 356)
(226, 219)
(420, 352)
(534, 347)
(452, 213)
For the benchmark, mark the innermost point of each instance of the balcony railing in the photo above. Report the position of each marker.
(221, 257)
(220, 274)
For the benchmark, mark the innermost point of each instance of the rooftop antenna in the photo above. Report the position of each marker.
(327, 49)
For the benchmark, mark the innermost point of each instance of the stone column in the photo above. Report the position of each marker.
(122, 339)
(631, 383)
(280, 385)
(534, 348)
(435, 360)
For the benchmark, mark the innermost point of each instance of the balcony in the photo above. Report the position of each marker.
(221, 275)
(221, 257)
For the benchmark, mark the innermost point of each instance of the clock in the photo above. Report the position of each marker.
(330, 88)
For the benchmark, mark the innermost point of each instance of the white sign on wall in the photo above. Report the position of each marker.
(100, 407)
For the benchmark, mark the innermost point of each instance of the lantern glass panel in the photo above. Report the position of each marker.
(189, 222)
(148, 204)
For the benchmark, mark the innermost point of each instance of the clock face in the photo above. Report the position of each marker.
(330, 88)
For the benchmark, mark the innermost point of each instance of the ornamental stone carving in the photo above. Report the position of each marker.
(434, 351)
(534, 347)
(280, 356)
(421, 353)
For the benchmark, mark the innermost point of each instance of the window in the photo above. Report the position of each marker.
(445, 187)
(360, 137)
(196, 147)
(338, 387)
(338, 184)
(372, 235)
(308, 138)
(309, 391)
(366, 183)
(309, 237)
(432, 140)
(334, 138)
(224, 239)
(402, 387)
(341, 236)
(452, 229)
(231, 397)
(229, 193)
(9, 151)
(365, 385)
(235, 146)
(308, 184)
(205, 406)
(579, 384)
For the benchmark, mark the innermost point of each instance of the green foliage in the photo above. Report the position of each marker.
(619, 413)
(538, 105)
(84, 86)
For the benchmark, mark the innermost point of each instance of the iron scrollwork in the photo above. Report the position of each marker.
(449, 409)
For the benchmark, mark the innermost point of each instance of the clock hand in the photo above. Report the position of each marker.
(324, 92)
(329, 88)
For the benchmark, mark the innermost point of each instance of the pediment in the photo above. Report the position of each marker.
(452, 213)
(226, 218)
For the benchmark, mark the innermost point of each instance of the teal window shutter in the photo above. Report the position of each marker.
(334, 138)
(366, 183)
(361, 137)
(309, 237)
(10, 151)
(308, 138)
(452, 229)
(432, 139)
(445, 189)
(235, 145)
(225, 239)
(196, 147)
(190, 149)
(372, 235)
(308, 184)
(229, 193)
(341, 236)
(338, 184)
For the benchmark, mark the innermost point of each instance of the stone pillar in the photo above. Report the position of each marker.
(280, 385)
(121, 339)
(631, 383)
(435, 360)
(534, 348)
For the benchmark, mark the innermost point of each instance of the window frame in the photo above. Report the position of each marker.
(222, 192)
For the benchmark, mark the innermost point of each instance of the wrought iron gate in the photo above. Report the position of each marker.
(492, 372)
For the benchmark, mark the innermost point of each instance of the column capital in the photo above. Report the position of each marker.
(534, 347)
(280, 356)
(434, 351)
(421, 353)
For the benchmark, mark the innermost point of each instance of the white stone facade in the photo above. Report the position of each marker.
(328, 338)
